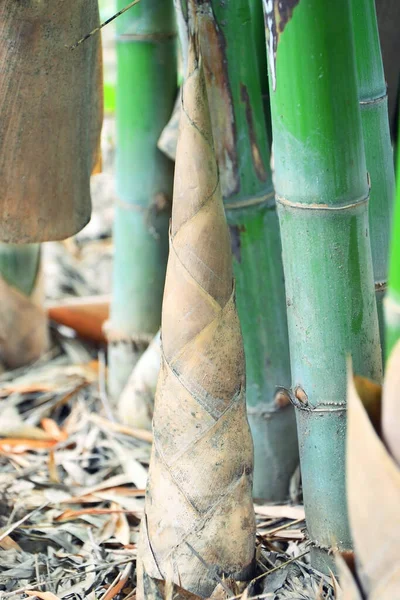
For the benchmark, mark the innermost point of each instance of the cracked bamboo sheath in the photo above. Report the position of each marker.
(321, 180)
(199, 519)
(50, 118)
(377, 144)
(146, 91)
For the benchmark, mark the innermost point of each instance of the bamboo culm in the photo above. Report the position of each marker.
(372, 95)
(322, 191)
(146, 89)
(242, 148)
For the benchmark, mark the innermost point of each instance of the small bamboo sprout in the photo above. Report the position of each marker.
(23, 321)
(50, 118)
(136, 403)
(199, 522)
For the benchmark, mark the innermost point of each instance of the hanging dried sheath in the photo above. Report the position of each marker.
(242, 149)
(199, 521)
(146, 90)
(50, 118)
(322, 192)
(372, 95)
(23, 322)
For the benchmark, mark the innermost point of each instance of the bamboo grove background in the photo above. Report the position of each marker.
(263, 239)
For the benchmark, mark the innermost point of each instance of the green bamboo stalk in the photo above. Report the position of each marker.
(322, 192)
(242, 146)
(372, 95)
(257, 22)
(146, 88)
(392, 299)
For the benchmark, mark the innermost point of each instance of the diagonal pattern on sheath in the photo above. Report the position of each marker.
(199, 520)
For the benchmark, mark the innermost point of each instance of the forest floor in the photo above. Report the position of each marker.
(72, 478)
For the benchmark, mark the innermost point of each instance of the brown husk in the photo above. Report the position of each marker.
(50, 118)
(23, 325)
(199, 520)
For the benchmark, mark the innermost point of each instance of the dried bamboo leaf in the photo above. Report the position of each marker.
(50, 131)
(140, 434)
(349, 589)
(42, 595)
(53, 430)
(118, 584)
(390, 404)
(276, 511)
(85, 315)
(8, 543)
(373, 491)
(199, 521)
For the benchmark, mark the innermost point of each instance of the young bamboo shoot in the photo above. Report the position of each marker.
(199, 520)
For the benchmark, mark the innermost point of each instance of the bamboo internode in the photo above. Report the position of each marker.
(373, 101)
(146, 91)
